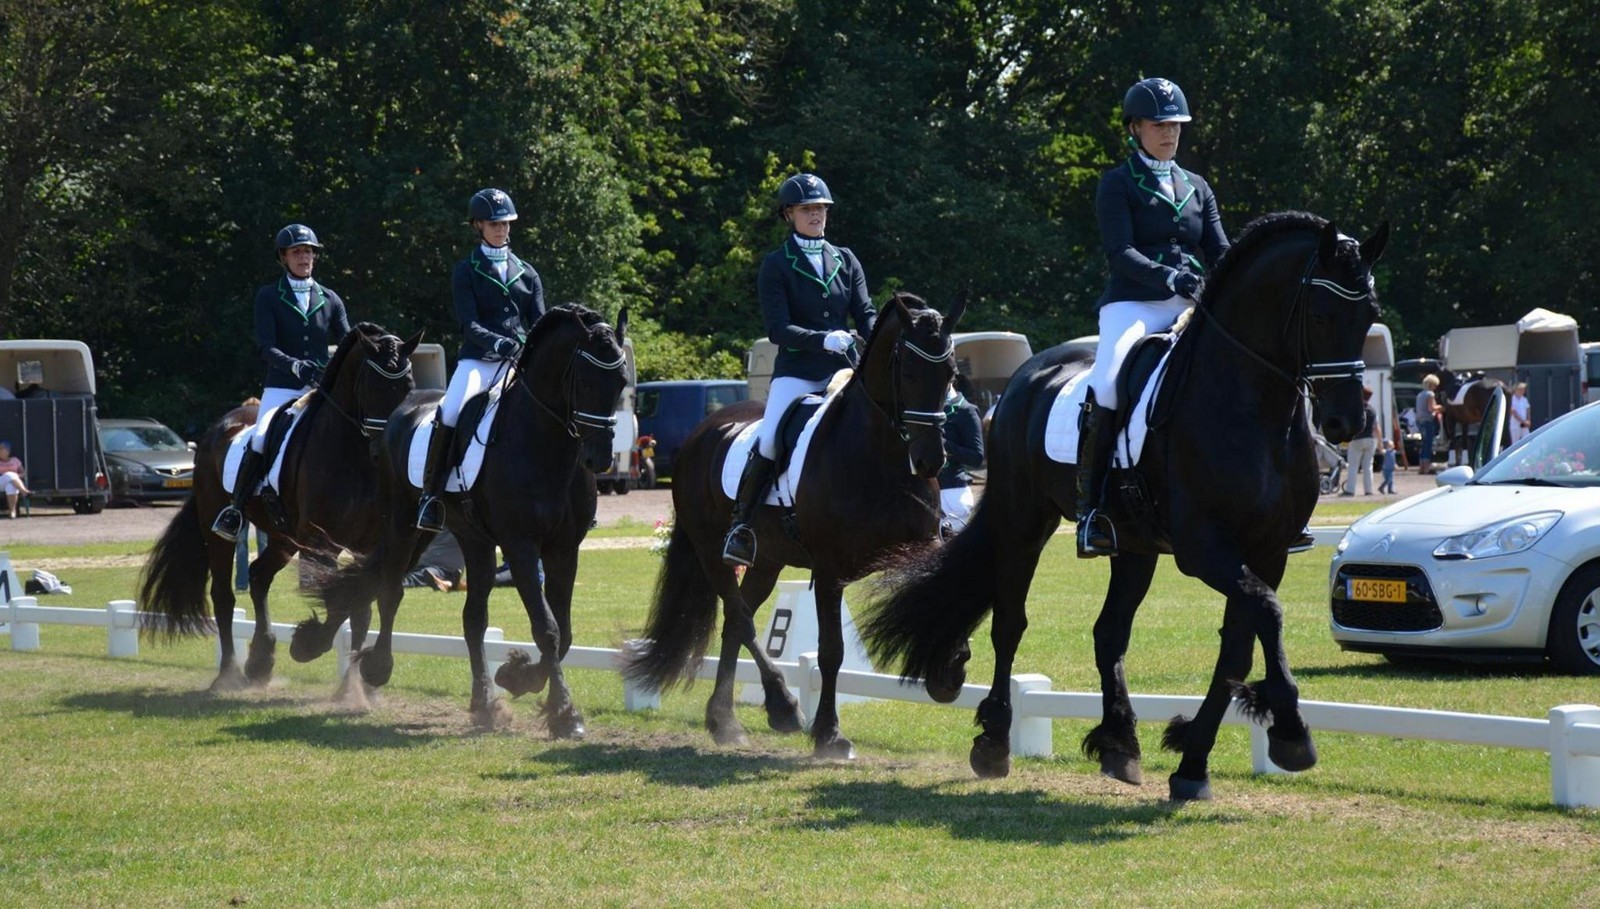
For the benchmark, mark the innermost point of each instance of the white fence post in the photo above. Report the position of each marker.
(490, 667)
(635, 698)
(122, 629)
(1031, 736)
(1574, 777)
(24, 635)
(341, 649)
(809, 693)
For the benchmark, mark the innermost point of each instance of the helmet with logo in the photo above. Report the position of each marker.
(1155, 99)
(803, 189)
(491, 205)
(297, 235)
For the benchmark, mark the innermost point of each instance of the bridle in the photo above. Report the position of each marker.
(370, 426)
(579, 424)
(1308, 373)
(900, 416)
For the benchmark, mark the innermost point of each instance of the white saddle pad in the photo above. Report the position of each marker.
(461, 477)
(782, 491)
(1061, 428)
(236, 447)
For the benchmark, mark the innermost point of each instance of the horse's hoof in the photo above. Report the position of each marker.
(990, 758)
(728, 732)
(229, 679)
(376, 668)
(566, 725)
(943, 692)
(1187, 790)
(310, 640)
(1295, 754)
(944, 686)
(520, 675)
(837, 748)
(785, 717)
(1123, 767)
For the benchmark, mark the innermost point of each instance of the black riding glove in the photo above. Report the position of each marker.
(507, 349)
(1187, 284)
(308, 372)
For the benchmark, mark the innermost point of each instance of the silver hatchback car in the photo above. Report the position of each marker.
(1503, 565)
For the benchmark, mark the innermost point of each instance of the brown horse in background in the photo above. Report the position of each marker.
(1463, 399)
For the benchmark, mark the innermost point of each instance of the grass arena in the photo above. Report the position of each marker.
(129, 784)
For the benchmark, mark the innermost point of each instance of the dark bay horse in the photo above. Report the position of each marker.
(328, 487)
(1461, 417)
(1230, 473)
(534, 496)
(867, 485)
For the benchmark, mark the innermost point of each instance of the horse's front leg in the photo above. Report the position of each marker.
(1195, 738)
(1277, 696)
(562, 719)
(826, 740)
(263, 644)
(486, 710)
(386, 581)
(1115, 742)
(990, 756)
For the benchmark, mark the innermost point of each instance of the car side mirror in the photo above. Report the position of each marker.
(1458, 475)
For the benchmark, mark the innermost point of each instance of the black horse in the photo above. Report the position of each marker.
(867, 485)
(327, 485)
(1229, 475)
(534, 496)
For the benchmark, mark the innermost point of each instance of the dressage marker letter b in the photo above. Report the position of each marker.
(778, 634)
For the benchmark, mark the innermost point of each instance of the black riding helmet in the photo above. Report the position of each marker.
(1155, 99)
(491, 205)
(297, 235)
(803, 189)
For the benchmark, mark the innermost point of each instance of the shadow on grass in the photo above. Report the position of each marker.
(1007, 816)
(168, 702)
(335, 732)
(667, 766)
(1424, 668)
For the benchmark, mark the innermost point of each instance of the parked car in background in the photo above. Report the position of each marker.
(1501, 565)
(1591, 372)
(148, 462)
(668, 411)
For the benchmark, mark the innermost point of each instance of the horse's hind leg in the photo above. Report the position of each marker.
(263, 644)
(738, 630)
(1115, 742)
(219, 557)
(783, 711)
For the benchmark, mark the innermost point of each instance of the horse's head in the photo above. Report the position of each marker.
(575, 354)
(370, 374)
(1340, 304)
(1320, 283)
(907, 369)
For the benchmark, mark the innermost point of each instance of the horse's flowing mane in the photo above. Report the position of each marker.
(1255, 236)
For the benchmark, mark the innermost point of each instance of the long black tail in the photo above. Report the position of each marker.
(172, 588)
(681, 620)
(926, 603)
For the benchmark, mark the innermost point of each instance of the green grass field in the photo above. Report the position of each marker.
(128, 785)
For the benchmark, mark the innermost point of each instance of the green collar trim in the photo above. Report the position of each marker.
(1140, 174)
(832, 262)
(514, 270)
(317, 301)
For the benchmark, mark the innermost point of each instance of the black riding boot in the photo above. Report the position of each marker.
(430, 511)
(230, 521)
(1096, 438)
(740, 546)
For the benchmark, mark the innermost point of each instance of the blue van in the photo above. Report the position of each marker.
(669, 411)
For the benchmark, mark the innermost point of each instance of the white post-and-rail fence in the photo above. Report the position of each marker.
(1570, 734)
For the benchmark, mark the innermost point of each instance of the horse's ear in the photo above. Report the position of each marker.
(898, 304)
(1373, 246)
(957, 310)
(622, 324)
(1328, 248)
(366, 343)
(410, 346)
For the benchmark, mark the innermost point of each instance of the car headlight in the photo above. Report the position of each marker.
(1500, 538)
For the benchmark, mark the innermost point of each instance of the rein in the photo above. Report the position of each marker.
(575, 418)
(1309, 371)
(367, 426)
(899, 416)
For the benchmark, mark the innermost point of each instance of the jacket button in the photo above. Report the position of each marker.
(826, 314)
(1174, 219)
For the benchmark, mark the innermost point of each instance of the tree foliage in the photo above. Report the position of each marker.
(149, 150)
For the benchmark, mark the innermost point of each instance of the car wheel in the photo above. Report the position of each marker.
(1574, 639)
(89, 505)
(621, 487)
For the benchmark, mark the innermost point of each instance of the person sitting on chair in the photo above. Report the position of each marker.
(808, 289)
(1161, 230)
(296, 320)
(11, 474)
(497, 298)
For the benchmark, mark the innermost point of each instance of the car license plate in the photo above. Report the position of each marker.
(180, 483)
(1378, 590)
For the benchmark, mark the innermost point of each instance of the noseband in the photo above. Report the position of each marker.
(1308, 372)
(369, 426)
(899, 415)
(579, 424)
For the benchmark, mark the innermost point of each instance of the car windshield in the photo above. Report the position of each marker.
(140, 438)
(1565, 453)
